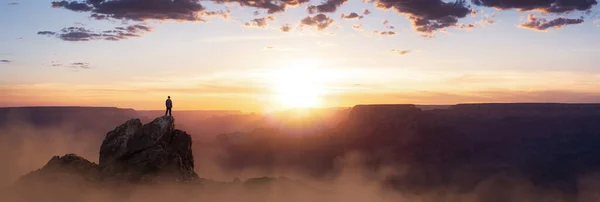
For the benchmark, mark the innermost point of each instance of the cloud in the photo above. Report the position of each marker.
(366, 12)
(138, 10)
(73, 5)
(5, 61)
(13, 4)
(260, 22)
(286, 28)
(358, 27)
(390, 27)
(352, 16)
(271, 5)
(83, 34)
(329, 6)
(545, 6)
(488, 19)
(541, 24)
(46, 33)
(80, 65)
(385, 22)
(78, 34)
(428, 16)
(385, 33)
(320, 21)
(222, 13)
(466, 26)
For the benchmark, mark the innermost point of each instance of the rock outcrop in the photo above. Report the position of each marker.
(68, 166)
(135, 152)
(152, 152)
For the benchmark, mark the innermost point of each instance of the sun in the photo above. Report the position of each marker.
(298, 86)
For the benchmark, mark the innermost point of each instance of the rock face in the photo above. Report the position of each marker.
(134, 151)
(155, 151)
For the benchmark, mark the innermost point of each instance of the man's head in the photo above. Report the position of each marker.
(169, 97)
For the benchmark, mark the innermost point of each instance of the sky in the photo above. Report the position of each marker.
(275, 54)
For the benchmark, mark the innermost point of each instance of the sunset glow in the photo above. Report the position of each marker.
(255, 57)
(299, 85)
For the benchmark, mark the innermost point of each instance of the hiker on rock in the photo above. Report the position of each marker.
(169, 104)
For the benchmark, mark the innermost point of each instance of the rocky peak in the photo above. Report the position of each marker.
(135, 152)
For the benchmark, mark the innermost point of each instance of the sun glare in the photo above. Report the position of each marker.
(298, 86)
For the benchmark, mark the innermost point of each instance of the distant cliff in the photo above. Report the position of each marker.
(549, 145)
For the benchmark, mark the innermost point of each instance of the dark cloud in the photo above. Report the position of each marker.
(352, 16)
(83, 34)
(260, 22)
(328, 6)
(366, 12)
(358, 27)
(428, 16)
(286, 28)
(78, 34)
(98, 16)
(541, 24)
(13, 4)
(46, 33)
(546, 6)
(390, 27)
(320, 21)
(385, 22)
(73, 5)
(400, 51)
(385, 33)
(139, 10)
(5, 61)
(272, 6)
(80, 65)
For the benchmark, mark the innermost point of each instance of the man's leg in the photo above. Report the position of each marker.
(166, 111)
(170, 112)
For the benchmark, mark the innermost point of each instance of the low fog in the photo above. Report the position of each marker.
(357, 160)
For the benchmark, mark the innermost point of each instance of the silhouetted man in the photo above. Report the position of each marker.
(169, 104)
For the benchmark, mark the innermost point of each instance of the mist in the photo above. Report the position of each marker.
(351, 162)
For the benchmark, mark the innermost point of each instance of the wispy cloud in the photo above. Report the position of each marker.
(83, 34)
(80, 65)
(539, 24)
(351, 16)
(384, 33)
(260, 22)
(400, 51)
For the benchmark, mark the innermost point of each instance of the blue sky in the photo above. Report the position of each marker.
(227, 65)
